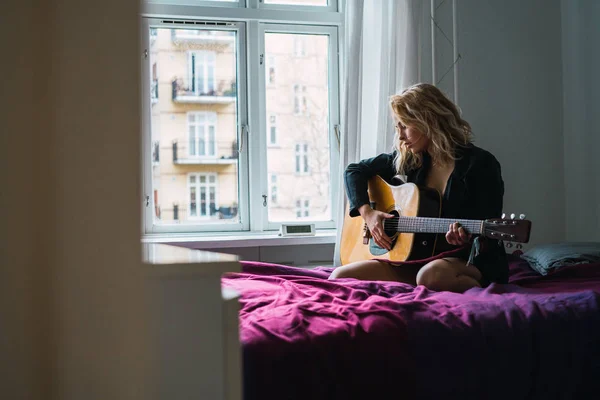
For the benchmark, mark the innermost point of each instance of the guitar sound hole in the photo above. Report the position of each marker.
(390, 226)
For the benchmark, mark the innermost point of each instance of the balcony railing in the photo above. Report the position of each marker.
(223, 92)
(207, 153)
(194, 211)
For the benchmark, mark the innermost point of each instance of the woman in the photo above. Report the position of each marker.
(433, 148)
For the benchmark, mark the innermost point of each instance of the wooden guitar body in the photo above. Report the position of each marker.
(407, 200)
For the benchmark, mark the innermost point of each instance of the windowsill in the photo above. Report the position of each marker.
(239, 239)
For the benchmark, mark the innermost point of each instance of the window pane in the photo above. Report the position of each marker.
(193, 201)
(300, 99)
(203, 201)
(194, 116)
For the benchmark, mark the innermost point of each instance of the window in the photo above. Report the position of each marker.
(154, 88)
(271, 70)
(272, 130)
(273, 188)
(202, 72)
(299, 46)
(156, 152)
(304, 101)
(300, 102)
(201, 133)
(245, 118)
(302, 207)
(302, 158)
(202, 199)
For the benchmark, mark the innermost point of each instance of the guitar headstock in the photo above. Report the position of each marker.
(511, 229)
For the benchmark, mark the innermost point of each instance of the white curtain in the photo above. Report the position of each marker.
(381, 56)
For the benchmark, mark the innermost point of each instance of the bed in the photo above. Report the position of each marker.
(305, 337)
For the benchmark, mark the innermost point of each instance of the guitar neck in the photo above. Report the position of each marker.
(432, 225)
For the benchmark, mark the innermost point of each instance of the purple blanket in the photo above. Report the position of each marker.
(305, 337)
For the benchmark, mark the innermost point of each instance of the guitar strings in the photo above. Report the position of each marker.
(423, 224)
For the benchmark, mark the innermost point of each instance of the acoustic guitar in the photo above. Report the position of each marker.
(416, 230)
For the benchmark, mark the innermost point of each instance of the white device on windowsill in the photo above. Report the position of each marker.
(297, 230)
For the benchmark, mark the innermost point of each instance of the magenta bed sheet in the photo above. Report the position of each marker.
(304, 337)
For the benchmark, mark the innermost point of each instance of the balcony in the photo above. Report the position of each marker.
(207, 153)
(225, 93)
(217, 40)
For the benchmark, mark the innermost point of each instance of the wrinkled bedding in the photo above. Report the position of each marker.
(304, 337)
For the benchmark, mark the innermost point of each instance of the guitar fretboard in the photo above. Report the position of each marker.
(431, 225)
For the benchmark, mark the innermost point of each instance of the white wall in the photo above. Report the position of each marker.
(510, 90)
(72, 313)
(581, 122)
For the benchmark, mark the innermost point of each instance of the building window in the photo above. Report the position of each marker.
(271, 70)
(273, 188)
(154, 86)
(299, 46)
(202, 127)
(302, 207)
(304, 101)
(202, 72)
(272, 130)
(302, 158)
(202, 195)
(156, 152)
(300, 101)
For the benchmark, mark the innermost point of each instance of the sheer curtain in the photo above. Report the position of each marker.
(381, 56)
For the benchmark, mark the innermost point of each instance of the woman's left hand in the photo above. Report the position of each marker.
(457, 235)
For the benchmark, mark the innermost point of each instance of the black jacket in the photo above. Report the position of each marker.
(475, 190)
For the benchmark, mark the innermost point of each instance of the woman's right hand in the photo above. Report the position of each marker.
(374, 220)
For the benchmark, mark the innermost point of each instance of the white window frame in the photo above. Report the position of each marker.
(201, 3)
(332, 6)
(249, 18)
(207, 184)
(333, 80)
(243, 224)
(209, 119)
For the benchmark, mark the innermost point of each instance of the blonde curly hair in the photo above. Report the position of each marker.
(426, 108)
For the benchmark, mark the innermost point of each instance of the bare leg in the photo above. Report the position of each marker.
(373, 270)
(449, 274)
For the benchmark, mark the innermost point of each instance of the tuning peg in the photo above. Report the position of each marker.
(512, 216)
(503, 215)
(522, 216)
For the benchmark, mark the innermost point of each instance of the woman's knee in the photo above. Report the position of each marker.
(364, 270)
(340, 272)
(434, 275)
(352, 270)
